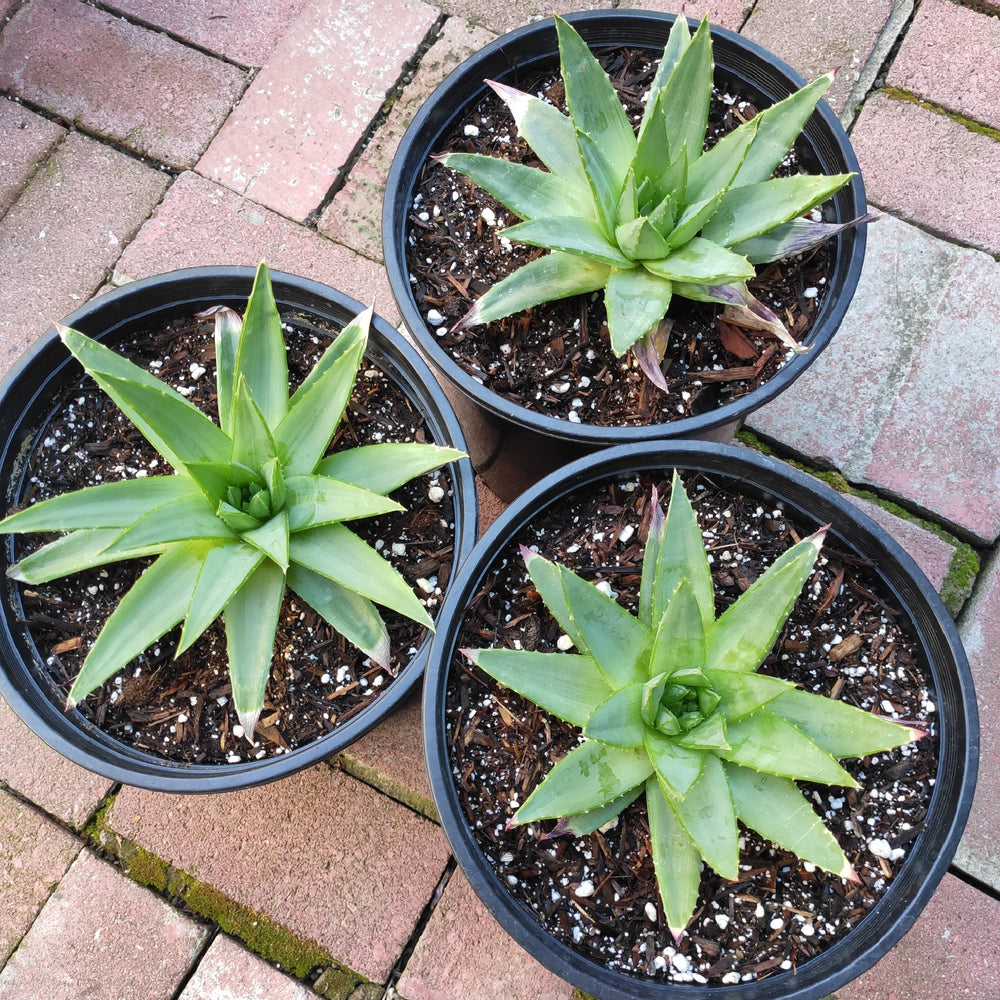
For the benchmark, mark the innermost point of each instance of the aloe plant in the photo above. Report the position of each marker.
(255, 505)
(646, 217)
(670, 705)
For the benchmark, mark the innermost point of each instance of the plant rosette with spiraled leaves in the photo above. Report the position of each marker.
(698, 748)
(246, 513)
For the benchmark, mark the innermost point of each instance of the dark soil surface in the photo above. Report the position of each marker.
(598, 893)
(556, 359)
(181, 708)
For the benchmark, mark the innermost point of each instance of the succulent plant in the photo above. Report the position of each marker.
(670, 705)
(255, 504)
(650, 216)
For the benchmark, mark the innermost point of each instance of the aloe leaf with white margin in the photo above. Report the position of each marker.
(670, 705)
(651, 216)
(228, 529)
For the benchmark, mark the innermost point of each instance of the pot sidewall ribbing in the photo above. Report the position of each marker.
(739, 61)
(811, 503)
(26, 401)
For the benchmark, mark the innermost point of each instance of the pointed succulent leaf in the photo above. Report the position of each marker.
(745, 633)
(765, 742)
(593, 104)
(745, 212)
(316, 500)
(650, 559)
(635, 301)
(712, 734)
(704, 262)
(650, 349)
(253, 444)
(588, 777)
(228, 325)
(606, 183)
(628, 203)
(777, 129)
(260, 358)
(779, 812)
(337, 553)
(547, 131)
(236, 519)
(224, 570)
(685, 97)
(677, 767)
(526, 191)
(82, 549)
(619, 720)
(383, 468)
(345, 341)
(584, 823)
(598, 625)
(355, 617)
(639, 240)
(677, 42)
(251, 620)
(553, 276)
(175, 427)
(190, 517)
(713, 172)
(154, 604)
(707, 815)
(576, 236)
(569, 686)
(676, 860)
(110, 505)
(272, 538)
(691, 221)
(664, 194)
(215, 479)
(680, 638)
(653, 150)
(743, 693)
(841, 729)
(795, 237)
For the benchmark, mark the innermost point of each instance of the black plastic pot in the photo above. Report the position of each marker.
(809, 503)
(741, 64)
(26, 402)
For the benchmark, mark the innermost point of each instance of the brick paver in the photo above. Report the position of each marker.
(229, 972)
(303, 116)
(222, 27)
(152, 94)
(928, 169)
(25, 140)
(45, 777)
(100, 935)
(728, 13)
(503, 17)
(35, 853)
(951, 57)
(61, 237)
(465, 953)
(221, 228)
(320, 853)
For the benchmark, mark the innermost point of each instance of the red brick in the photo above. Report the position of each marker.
(320, 853)
(25, 140)
(34, 855)
(225, 27)
(928, 169)
(951, 57)
(100, 935)
(62, 236)
(501, 17)
(727, 13)
(48, 779)
(229, 972)
(302, 118)
(152, 94)
(200, 223)
(953, 950)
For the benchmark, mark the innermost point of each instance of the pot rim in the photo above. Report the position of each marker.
(175, 293)
(811, 501)
(465, 84)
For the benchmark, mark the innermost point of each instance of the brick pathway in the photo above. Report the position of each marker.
(138, 136)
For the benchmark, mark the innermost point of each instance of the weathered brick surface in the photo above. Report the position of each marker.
(61, 237)
(951, 56)
(25, 140)
(463, 952)
(979, 854)
(505, 17)
(728, 13)
(320, 853)
(928, 169)
(220, 227)
(953, 950)
(234, 29)
(45, 777)
(229, 972)
(354, 216)
(100, 935)
(817, 36)
(152, 94)
(304, 114)
(34, 855)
